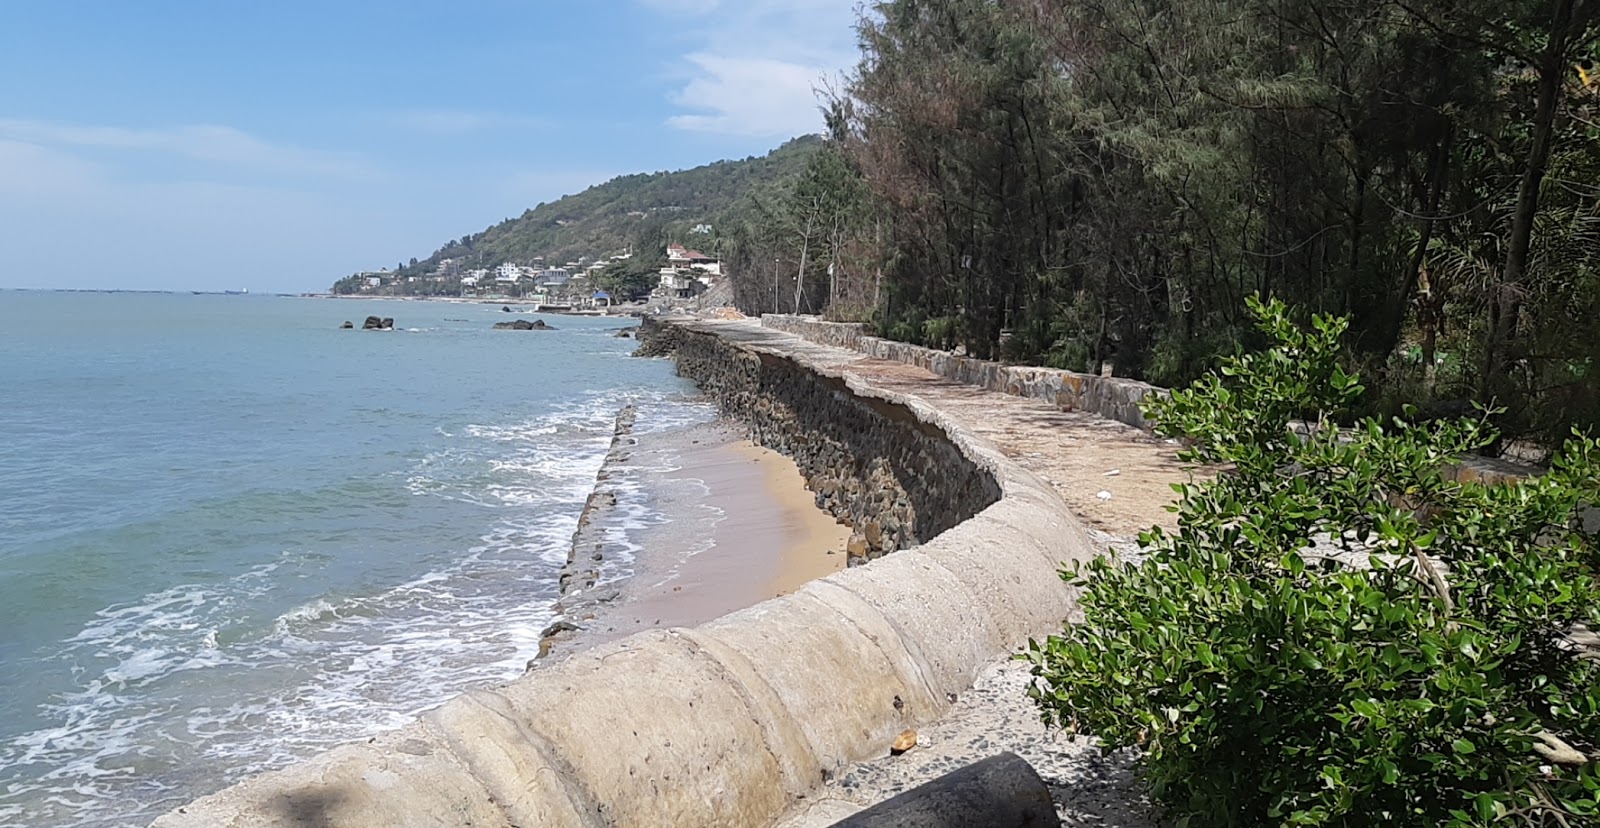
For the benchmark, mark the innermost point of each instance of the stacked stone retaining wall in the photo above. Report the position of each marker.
(1110, 397)
(871, 463)
(735, 721)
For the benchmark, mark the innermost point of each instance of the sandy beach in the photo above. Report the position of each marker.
(737, 526)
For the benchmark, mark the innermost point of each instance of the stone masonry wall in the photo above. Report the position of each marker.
(1111, 397)
(895, 479)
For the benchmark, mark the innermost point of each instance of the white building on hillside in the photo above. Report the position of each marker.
(508, 274)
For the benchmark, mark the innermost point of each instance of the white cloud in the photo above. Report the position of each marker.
(32, 171)
(199, 142)
(754, 64)
(749, 96)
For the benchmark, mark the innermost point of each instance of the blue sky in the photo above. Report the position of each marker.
(279, 145)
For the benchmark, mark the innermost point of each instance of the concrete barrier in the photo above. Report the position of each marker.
(732, 722)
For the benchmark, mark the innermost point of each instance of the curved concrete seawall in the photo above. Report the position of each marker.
(732, 722)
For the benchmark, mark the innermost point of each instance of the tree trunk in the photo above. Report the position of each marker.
(800, 275)
(1507, 301)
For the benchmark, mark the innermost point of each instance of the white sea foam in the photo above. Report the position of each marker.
(190, 687)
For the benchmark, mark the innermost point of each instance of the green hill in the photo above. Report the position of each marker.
(642, 211)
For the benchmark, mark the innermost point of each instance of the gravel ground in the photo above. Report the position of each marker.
(1090, 787)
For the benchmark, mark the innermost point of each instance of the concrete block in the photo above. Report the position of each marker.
(654, 732)
(945, 627)
(1007, 573)
(836, 667)
(405, 779)
(514, 764)
(799, 766)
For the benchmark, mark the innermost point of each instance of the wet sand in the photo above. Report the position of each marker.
(739, 527)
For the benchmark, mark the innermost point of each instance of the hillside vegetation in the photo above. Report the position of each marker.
(642, 211)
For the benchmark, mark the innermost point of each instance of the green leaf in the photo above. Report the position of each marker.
(1366, 708)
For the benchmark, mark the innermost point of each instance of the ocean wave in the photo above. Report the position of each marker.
(195, 686)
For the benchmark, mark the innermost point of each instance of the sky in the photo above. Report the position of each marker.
(280, 145)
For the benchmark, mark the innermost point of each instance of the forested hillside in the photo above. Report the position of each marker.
(626, 211)
(1105, 181)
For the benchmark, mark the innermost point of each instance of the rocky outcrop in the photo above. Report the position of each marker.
(523, 325)
(374, 323)
(871, 463)
(734, 721)
(347, 325)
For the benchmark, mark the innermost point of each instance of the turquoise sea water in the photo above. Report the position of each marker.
(232, 534)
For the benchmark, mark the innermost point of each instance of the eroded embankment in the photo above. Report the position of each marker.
(732, 722)
(896, 478)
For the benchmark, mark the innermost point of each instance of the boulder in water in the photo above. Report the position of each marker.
(523, 325)
(374, 323)
(347, 325)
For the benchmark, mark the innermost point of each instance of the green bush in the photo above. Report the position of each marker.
(1337, 633)
(944, 333)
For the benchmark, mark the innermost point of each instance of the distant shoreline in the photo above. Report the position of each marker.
(630, 310)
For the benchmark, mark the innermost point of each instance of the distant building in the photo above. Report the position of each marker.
(680, 256)
(508, 274)
(688, 272)
(373, 279)
(701, 229)
(447, 268)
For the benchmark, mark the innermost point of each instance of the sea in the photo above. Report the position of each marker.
(233, 534)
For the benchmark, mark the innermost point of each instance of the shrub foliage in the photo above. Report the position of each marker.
(1338, 632)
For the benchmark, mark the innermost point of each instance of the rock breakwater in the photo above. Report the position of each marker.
(590, 550)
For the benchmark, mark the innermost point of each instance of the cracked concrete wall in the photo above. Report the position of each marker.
(732, 722)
